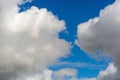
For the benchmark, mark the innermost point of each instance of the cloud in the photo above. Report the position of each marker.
(65, 73)
(104, 74)
(47, 74)
(77, 65)
(102, 34)
(29, 41)
(44, 75)
(110, 71)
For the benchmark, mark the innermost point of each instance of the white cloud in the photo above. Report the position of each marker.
(46, 74)
(77, 65)
(103, 34)
(29, 40)
(65, 73)
(108, 72)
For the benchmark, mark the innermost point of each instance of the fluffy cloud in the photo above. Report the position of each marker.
(62, 74)
(29, 40)
(44, 75)
(110, 71)
(103, 34)
(106, 74)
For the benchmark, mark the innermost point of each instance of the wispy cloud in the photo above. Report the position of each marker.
(77, 65)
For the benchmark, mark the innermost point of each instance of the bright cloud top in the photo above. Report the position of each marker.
(29, 40)
(103, 34)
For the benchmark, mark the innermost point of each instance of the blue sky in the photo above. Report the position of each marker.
(74, 12)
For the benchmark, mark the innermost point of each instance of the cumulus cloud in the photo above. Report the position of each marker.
(64, 74)
(105, 74)
(46, 74)
(103, 34)
(29, 41)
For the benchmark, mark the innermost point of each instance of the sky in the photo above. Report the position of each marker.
(59, 40)
(75, 12)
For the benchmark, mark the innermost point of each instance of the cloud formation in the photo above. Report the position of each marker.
(103, 34)
(70, 74)
(105, 74)
(29, 41)
(65, 74)
(46, 74)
